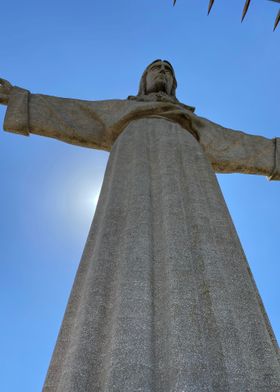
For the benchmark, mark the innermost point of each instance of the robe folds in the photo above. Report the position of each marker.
(163, 299)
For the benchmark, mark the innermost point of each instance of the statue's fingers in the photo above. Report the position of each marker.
(198, 122)
(5, 83)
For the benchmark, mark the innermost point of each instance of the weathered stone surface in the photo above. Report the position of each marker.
(163, 299)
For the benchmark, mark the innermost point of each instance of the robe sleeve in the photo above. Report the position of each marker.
(232, 151)
(70, 120)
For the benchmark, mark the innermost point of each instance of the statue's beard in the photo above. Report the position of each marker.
(159, 86)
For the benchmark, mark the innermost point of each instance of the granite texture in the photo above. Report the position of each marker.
(163, 300)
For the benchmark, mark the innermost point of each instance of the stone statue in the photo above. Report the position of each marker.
(164, 299)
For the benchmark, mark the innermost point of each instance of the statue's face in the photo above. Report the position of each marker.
(159, 78)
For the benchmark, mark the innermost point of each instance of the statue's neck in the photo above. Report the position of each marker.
(159, 96)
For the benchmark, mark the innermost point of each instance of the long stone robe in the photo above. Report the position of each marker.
(163, 299)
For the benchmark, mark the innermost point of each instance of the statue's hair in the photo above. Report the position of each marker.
(143, 87)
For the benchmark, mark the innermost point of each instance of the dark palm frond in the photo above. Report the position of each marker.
(245, 10)
(277, 20)
(211, 2)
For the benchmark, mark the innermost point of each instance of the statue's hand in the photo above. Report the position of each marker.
(199, 122)
(5, 90)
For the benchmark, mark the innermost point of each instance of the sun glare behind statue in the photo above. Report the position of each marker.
(67, 205)
(95, 198)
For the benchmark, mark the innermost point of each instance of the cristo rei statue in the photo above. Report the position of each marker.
(163, 300)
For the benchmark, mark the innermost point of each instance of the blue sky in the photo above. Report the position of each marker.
(97, 50)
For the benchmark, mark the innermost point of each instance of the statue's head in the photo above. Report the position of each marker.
(158, 77)
(158, 83)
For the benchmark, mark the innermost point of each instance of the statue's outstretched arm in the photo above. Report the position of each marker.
(232, 151)
(70, 120)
